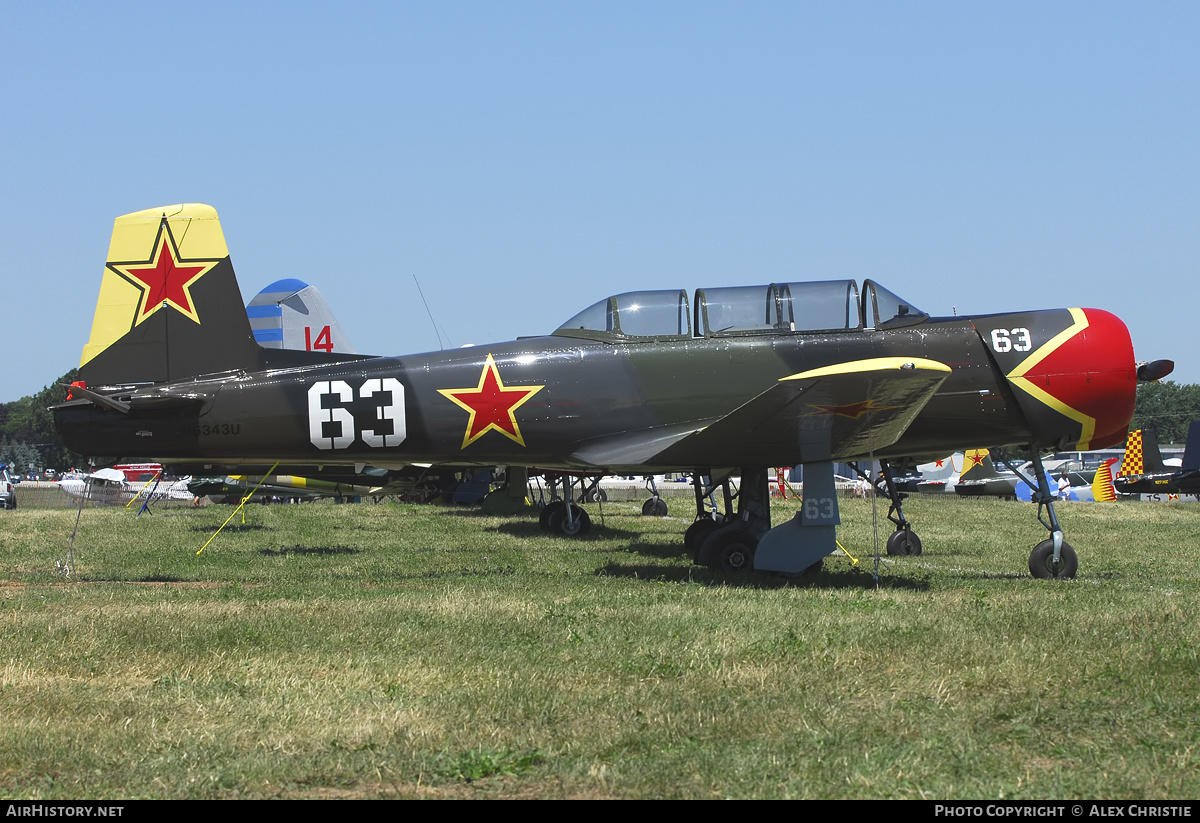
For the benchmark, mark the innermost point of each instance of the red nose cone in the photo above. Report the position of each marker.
(1094, 377)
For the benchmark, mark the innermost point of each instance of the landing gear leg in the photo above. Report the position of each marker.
(731, 547)
(655, 506)
(570, 520)
(1053, 558)
(707, 520)
(904, 541)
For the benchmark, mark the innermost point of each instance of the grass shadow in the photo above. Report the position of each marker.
(240, 527)
(283, 551)
(826, 579)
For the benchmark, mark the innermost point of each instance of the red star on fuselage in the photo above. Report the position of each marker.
(491, 404)
(164, 279)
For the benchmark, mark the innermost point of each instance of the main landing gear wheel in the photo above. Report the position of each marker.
(654, 507)
(1043, 567)
(580, 522)
(597, 496)
(697, 533)
(548, 511)
(903, 542)
(730, 551)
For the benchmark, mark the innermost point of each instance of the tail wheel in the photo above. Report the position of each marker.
(903, 542)
(654, 507)
(1043, 567)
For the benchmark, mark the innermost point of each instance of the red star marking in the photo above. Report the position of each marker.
(167, 280)
(851, 410)
(939, 464)
(975, 457)
(492, 405)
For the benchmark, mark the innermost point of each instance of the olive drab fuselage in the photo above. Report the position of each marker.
(395, 410)
(746, 375)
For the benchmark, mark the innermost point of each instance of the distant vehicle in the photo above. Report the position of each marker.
(8, 495)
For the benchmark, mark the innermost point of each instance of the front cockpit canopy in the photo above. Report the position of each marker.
(778, 308)
(660, 314)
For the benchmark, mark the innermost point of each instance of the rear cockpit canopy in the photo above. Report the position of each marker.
(778, 308)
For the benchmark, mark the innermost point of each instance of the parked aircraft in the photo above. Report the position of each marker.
(981, 479)
(1142, 468)
(1144, 472)
(112, 487)
(941, 476)
(236, 486)
(290, 314)
(740, 379)
(1079, 488)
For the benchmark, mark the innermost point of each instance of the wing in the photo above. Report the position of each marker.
(843, 411)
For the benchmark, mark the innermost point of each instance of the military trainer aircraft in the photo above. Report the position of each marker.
(732, 381)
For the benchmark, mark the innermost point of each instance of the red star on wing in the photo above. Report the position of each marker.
(492, 405)
(164, 279)
(851, 410)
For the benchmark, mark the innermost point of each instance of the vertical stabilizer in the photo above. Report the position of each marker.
(1191, 451)
(1103, 490)
(290, 314)
(169, 306)
(977, 465)
(1131, 461)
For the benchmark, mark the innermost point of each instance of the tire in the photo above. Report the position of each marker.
(548, 511)
(903, 543)
(597, 496)
(729, 551)
(697, 533)
(654, 507)
(1041, 563)
(581, 523)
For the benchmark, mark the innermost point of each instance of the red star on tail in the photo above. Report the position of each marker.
(167, 279)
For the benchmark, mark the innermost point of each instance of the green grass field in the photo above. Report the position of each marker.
(404, 651)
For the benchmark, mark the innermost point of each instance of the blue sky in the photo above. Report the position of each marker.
(524, 159)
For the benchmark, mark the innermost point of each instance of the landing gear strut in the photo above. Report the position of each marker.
(707, 520)
(563, 516)
(1053, 558)
(904, 541)
(730, 546)
(655, 506)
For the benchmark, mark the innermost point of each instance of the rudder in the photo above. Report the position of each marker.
(169, 306)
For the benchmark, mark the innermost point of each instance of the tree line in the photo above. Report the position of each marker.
(28, 440)
(1168, 408)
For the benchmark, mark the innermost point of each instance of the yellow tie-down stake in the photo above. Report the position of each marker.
(241, 508)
